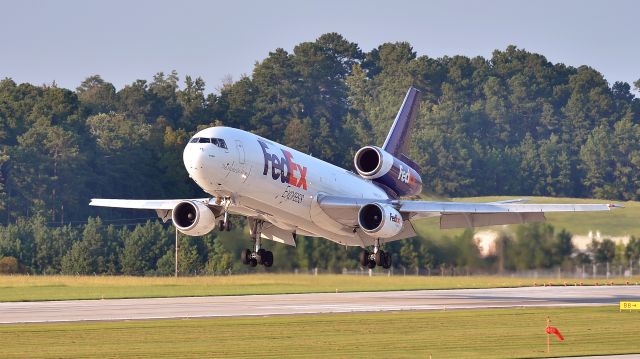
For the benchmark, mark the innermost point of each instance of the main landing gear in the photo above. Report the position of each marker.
(259, 256)
(377, 257)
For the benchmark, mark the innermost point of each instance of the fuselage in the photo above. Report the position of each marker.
(273, 182)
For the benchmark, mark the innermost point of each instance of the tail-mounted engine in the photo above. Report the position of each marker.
(193, 218)
(380, 220)
(384, 169)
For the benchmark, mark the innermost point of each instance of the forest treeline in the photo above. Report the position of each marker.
(512, 124)
(32, 246)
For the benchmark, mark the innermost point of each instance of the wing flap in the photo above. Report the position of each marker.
(277, 234)
(470, 220)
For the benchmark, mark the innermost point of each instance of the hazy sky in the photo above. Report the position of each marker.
(67, 41)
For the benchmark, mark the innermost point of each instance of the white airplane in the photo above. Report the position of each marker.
(284, 192)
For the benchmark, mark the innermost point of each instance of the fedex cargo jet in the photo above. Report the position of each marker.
(284, 192)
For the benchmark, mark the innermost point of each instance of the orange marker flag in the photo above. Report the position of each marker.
(554, 330)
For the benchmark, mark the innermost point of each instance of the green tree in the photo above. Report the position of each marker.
(143, 247)
(163, 97)
(220, 260)
(632, 250)
(605, 252)
(135, 100)
(97, 95)
(562, 248)
(598, 163)
(193, 103)
(190, 256)
(96, 252)
(532, 248)
(277, 98)
(77, 260)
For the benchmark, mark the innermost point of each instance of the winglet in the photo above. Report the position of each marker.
(398, 139)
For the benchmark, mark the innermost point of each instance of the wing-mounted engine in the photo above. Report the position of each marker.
(389, 172)
(380, 220)
(193, 218)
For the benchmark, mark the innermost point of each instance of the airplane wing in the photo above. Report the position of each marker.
(163, 207)
(457, 214)
(468, 215)
(142, 203)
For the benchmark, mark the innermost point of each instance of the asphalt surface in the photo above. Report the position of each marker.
(288, 304)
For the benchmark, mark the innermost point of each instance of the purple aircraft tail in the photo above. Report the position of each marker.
(399, 137)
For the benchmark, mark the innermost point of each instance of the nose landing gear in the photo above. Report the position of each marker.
(260, 255)
(225, 224)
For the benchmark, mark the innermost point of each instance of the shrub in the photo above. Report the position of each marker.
(9, 265)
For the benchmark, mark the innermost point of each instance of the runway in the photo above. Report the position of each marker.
(288, 304)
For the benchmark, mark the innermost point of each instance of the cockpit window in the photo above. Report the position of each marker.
(216, 141)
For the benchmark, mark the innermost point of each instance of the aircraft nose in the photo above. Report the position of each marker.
(194, 159)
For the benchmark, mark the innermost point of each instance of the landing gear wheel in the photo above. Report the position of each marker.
(268, 259)
(245, 256)
(387, 261)
(221, 225)
(371, 264)
(379, 257)
(227, 226)
(253, 262)
(364, 258)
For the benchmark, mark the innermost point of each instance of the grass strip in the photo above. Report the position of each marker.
(497, 333)
(38, 288)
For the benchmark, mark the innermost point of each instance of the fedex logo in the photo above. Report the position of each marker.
(404, 176)
(394, 218)
(284, 168)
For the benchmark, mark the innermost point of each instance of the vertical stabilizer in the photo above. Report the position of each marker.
(399, 137)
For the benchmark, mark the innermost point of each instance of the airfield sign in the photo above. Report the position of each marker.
(629, 305)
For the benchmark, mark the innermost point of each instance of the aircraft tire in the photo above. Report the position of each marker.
(227, 226)
(387, 261)
(245, 256)
(221, 225)
(253, 262)
(268, 261)
(371, 265)
(364, 258)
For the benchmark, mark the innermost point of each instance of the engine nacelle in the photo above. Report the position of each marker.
(380, 220)
(383, 168)
(193, 218)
